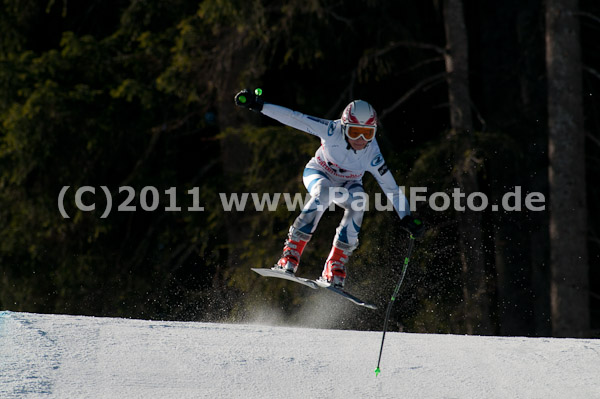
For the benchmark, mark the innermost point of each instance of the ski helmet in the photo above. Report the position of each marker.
(359, 119)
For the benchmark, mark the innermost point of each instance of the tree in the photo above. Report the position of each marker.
(568, 228)
(475, 287)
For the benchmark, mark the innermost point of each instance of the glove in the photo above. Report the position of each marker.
(414, 226)
(248, 99)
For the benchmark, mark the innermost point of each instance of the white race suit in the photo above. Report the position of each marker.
(336, 166)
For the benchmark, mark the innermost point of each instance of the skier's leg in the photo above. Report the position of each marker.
(317, 184)
(292, 250)
(346, 239)
(354, 209)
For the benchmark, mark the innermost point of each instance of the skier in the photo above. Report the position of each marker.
(348, 149)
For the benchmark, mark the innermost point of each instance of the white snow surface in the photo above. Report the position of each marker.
(59, 356)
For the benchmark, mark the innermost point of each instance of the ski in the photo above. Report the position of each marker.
(286, 276)
(344, 294)
(314, 284)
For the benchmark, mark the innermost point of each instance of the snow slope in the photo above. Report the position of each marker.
(57, 356)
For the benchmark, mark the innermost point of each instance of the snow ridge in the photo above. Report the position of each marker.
(58, 356)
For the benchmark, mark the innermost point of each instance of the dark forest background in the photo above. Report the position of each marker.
(480, 95)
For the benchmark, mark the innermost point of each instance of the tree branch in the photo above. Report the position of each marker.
(368, 57)
(593, 139)
(346, 94)
(410, 44)
(338, 17)
(425, 82)
(422, 63)
(588, 15)
(479, 116)
(591, 71)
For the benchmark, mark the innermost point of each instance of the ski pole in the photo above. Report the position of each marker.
(389, 308)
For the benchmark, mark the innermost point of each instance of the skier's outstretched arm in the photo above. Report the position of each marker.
(297, 120)
(384, 177)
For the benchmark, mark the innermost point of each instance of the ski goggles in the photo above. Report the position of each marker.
(355, 132)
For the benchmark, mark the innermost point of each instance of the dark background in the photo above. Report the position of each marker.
(140, 93)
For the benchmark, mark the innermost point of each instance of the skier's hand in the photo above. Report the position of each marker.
(247, 99)
(414, 226)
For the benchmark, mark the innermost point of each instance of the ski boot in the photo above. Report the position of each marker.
(334, 271)
(292, 250)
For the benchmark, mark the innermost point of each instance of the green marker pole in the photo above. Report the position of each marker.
(411, 244)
